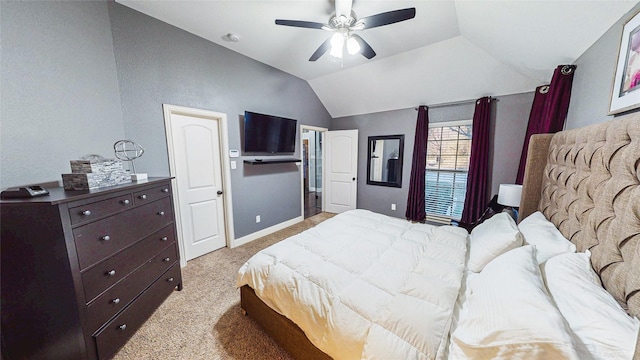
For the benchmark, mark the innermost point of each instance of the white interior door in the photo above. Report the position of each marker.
(341, 163)
(198, 173)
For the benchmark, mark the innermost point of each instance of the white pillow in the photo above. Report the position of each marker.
(493, 237)
(549, 242)
(603, 330)
(509, 314)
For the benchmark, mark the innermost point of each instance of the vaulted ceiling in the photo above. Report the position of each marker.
(452, 50)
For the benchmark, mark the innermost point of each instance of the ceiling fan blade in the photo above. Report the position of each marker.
(321, 50)
(387, 18)
(343, 8)
(365, 48)
(299, 23)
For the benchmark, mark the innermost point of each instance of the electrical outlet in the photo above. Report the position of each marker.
(393, 207)
(257, 218)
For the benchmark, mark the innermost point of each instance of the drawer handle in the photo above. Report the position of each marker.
(164, 238)
(111, 272)
(106, 238)
(125, 202)
(170, 279)
(165, 190)
(166, 259)
(161, 213)
(86, 212)
(116, 301)
(143, 196)
(122, 327)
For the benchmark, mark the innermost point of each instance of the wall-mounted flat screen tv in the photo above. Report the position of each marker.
(269, 134)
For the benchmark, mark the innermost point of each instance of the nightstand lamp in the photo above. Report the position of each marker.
(509, 196)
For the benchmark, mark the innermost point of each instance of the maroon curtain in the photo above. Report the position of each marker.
(478, 178)
(549, 110)
(415, 200)
(537, 109)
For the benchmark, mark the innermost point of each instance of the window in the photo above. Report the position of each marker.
(448, 154)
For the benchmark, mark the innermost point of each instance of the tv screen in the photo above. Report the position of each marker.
(268, 134)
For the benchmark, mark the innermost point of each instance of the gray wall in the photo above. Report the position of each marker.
(158, 63)
(380, 198)
(592, 82)
(589, 105)
(509, 124)
(59, 88)
(77, 76)
(512, 117)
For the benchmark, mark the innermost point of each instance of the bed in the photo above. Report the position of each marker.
(402, 290)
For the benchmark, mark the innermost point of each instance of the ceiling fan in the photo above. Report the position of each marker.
(344, 23)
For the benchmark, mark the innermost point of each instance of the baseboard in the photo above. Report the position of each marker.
(264, 232)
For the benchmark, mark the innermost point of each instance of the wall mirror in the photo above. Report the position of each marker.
(384, 160)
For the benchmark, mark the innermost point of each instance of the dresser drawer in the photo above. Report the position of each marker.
(101, 239)
(116, 333)
(164, 260)
(152, 194)
(105, 274)
(96, 210)
(113, 300)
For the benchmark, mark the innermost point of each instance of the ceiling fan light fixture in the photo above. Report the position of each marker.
(343, 25)
(337, 44)
(336, 52)
(337, 40)
(353, 47)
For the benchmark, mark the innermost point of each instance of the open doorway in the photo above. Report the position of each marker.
(312, 179)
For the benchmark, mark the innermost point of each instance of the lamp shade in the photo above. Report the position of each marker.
(509, 195)
(337, 45)
(352, 45)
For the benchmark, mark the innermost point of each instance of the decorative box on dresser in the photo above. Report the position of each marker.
(82, 270)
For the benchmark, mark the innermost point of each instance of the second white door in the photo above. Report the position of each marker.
(198, 172)
(341, 163)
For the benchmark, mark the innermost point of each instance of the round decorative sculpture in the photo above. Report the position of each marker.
(128, 150)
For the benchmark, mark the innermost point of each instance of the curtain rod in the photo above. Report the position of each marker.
(461, 102)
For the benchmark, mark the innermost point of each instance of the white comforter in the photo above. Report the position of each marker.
(365, 285)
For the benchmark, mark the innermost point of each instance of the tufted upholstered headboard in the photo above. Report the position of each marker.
(587, 182)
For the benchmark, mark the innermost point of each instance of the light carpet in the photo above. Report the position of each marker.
(204, 321)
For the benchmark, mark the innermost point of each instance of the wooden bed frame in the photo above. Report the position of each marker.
(587, 182)
(282, 330)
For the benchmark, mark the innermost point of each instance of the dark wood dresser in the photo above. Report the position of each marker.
(82, 270)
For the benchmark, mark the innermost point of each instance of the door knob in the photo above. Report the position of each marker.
(219, 192)
(354, 179)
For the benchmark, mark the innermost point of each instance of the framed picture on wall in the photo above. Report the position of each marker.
(625, 92)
